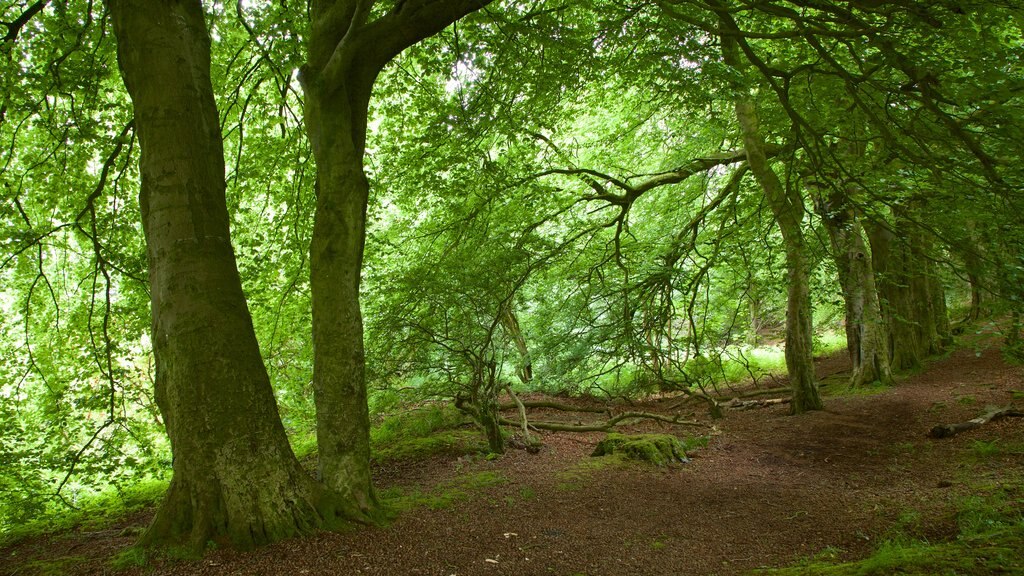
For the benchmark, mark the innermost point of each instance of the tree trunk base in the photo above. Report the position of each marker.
(658, 449)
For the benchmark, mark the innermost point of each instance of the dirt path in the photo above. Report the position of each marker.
(768, 490)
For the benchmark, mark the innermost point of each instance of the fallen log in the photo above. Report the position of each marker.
(949, 430)
(554, 406)
(737, 404)
(606, 426)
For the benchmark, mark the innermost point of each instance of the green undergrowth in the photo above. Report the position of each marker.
(94, 513)
(838, 387)
(990, 540)
(443, 495)
(451, 442)
(432, 429)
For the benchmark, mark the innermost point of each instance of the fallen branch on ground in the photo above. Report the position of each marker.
(948, 430)
(737, 404)
(606, 426)
(554, 406)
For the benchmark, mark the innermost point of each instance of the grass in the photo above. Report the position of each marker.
(93, 513)
(990, 541)
(839, 387)
(576, 476)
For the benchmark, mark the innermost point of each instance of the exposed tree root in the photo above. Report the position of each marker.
(948, 430)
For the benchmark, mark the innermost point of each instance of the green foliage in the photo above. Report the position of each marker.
(497, 154)
(93, 513)
(419, 422)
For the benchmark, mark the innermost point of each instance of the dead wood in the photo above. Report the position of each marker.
(554, 406)
(737, 404)
(606, 426)
(948, 430)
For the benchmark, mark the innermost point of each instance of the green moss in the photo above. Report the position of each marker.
(451, 442)
(399, 500)
(576, 476)
(418, 423)
(133, 557)
(658, 449)
(838, 387)
(991, 541)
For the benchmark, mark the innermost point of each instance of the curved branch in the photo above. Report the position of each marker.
(14, 28)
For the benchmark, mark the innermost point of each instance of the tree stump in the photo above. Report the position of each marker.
(658, 449)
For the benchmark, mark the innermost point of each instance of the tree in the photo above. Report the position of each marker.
(787, 205)
(235, 479)
(348, 48)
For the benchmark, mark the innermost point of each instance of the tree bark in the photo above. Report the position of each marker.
(949, 430)
(913, 300)
(865, 333)
(235, 479)
(788, 208)
(346, 52)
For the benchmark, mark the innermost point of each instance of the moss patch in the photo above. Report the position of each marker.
(450, 442)
(991, 541)
(658, 449)
(577, 475)
(443, 495)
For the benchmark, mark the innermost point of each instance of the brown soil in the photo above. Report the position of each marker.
(768, 490)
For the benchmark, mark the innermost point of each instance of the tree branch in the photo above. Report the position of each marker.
(14, 28)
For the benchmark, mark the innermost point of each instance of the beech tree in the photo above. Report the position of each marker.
(349, 45)
(235, 476)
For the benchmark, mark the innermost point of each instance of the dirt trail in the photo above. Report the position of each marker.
(769, 489)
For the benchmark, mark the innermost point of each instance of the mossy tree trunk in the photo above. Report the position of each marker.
(235, 479)
(787, 206)
(913, 299)
(865, 332)
(346, 51)
(485, 397)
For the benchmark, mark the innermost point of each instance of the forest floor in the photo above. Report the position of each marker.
(768, 490)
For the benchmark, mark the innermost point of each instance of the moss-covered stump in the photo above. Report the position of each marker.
(658, 449)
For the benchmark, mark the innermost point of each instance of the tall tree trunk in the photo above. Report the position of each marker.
(788, 208)
(235, 478)
(865, 334)
(347, 50)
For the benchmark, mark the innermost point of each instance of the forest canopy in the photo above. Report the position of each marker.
(233, 232)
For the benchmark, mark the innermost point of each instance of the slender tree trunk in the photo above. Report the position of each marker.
(973, 257)
(335, 122)
(510, 323)
(788, 209)
(235, 479)
(485, 396)
(347, 50)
